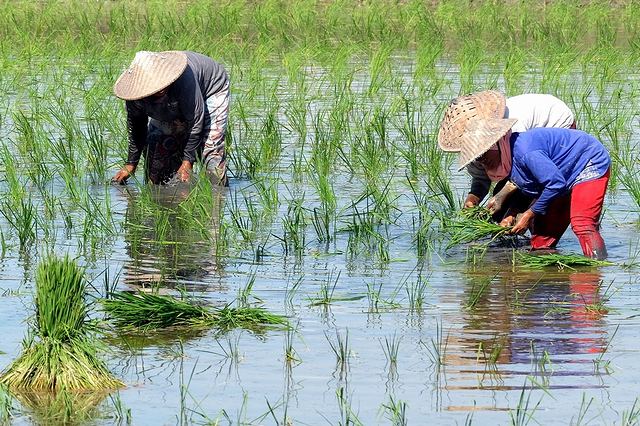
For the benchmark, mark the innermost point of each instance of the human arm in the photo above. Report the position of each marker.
(547, 176)
(137, 122)
(523, 222)
(137, 130)
(124, 173)
(480, 184)
(184, 172)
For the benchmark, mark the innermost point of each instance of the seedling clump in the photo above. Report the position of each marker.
(148, 311)
(59, 352)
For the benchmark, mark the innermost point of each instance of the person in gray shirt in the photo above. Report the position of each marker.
(177, 105)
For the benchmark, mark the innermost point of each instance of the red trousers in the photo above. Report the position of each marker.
(581, 207)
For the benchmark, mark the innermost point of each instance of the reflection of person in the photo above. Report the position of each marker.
(566, 170)
(174, 246)
(513, 314)
(177, 105)
(532, 110)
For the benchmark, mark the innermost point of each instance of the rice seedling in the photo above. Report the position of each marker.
(347, 416)
(582, 413)
(599, 363)
(291, 291)
(478, 290)
(391, 349)
(294, 226)
(561, 261)
(437, 349)
(632, 416)
(245, 291)
(396, 412)
(122, 414)
(23, 218)
(341, 350)
(325, 296)
(97, 151)
(290, 354)
(490, 358)
(149, 311)
(472, 225)
(523, 413)
(416, 294)
(59, 352)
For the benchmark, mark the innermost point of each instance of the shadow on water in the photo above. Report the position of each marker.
(171, 235)
(535, 325)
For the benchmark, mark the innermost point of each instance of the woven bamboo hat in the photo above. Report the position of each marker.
(486, 104)
(149, 73)
(479, 135)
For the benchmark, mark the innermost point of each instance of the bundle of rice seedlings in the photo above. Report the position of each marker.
(59, 351)
(149, 311)
(561, 261)
(472, 225)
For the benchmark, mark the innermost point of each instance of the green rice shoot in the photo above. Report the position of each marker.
(561, 261)
(473, 224)
(59, 352)
(149, 311)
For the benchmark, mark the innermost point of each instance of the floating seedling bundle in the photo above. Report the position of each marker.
(561, 261)
(471, 225)
(59, 352)
(149, 311)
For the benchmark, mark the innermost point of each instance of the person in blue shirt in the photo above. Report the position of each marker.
(567, 171)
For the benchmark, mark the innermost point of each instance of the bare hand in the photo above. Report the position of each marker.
(124, 173)
(491, 203)
(523, 222)
(471, 201)
(184, 172)
(507, 221)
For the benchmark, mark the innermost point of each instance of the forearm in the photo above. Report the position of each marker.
(480, 182)
(137, 130)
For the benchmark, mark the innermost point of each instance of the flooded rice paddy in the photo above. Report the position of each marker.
(332, 219)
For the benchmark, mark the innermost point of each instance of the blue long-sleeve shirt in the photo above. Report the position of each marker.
(547, 162)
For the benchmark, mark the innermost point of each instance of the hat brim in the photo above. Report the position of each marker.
(480, 135)
(149, 73)
(485, 104)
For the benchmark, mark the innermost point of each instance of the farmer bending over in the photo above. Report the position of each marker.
(177, 105)
(532, 110)
(565, 170)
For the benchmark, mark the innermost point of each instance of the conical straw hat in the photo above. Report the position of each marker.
(479, 135)
(486, 104)
(149, 73)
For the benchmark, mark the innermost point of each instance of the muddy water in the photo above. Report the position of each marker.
(489, 338)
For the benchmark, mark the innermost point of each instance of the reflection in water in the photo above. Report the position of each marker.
(533, 324)
(62, 407)
(171, 233)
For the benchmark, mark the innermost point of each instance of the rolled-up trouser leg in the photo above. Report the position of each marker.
(165, 145)
(215, 126)
(587, 199)
(547, 229)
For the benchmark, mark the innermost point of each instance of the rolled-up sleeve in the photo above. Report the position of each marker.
(137, 121)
